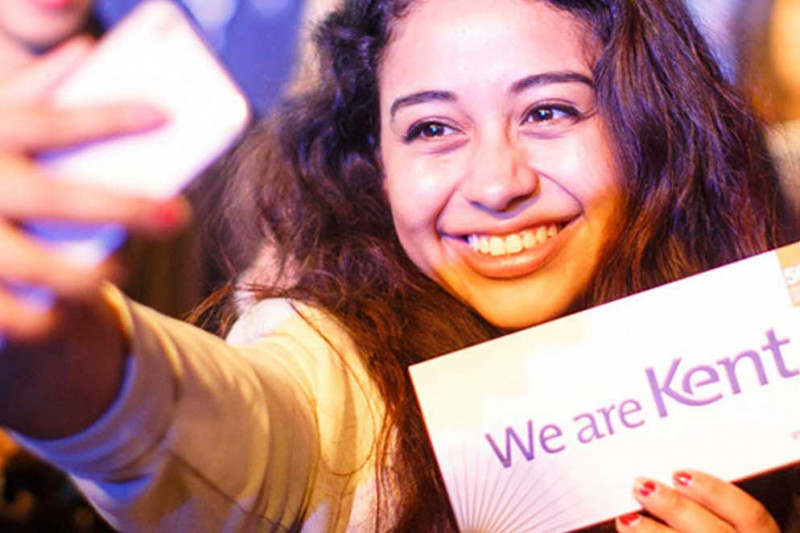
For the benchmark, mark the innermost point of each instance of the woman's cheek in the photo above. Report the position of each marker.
(419, 192)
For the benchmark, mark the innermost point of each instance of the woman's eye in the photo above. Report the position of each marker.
(428, 131)
(545, 114)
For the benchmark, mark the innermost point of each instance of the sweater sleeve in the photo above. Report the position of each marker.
(209, 436)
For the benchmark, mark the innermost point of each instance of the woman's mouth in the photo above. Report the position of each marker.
(512, 243)
(514, 254)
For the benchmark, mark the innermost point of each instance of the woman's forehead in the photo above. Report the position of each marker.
(445, 42)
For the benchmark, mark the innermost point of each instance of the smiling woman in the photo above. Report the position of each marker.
(499, 170)
(462, 168)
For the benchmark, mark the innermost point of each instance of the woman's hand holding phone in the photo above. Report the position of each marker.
(62, 348)
(29, 126)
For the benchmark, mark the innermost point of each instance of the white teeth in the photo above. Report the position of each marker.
(496, 246)
(541, 234)
(528, 239)
(512, 243)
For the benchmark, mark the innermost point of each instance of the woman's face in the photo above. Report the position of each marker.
(40, 24)
(499, 170)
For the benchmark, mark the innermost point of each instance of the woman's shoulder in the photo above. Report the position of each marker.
(259, 319)
(271, 319)
(305, 341)
(309, 347)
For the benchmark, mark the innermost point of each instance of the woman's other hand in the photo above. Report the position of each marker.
(30, 125)
(699, 503)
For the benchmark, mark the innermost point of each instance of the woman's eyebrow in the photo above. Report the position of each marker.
(420, 97)
(547, 78)
(518, 86)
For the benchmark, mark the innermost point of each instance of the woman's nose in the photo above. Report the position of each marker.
(499, 177)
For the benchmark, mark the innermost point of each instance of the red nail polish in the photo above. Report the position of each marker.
(166, 215)
(629, 519)
(683, 479)
(647, 488)
(169, 215)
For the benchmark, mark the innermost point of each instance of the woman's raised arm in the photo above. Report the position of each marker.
(61, 366)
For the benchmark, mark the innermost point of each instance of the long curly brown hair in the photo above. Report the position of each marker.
(701, 192)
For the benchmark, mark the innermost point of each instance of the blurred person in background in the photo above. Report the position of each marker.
(30, 27)
(768, 71)
(756, 43)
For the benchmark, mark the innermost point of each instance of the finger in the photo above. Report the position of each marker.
(38, 128)
(112, 270)
(21, 321)
(32, 82)
(676, 510)
(726, 500)
(23, 261)
(25, 194)
(634, 522)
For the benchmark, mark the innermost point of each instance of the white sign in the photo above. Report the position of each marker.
(546, 429)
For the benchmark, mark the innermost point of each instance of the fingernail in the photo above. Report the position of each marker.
(169, 215)
(684, 479)
(629, 519)
(645, 488)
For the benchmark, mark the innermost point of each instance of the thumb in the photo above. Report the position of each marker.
(35, 81)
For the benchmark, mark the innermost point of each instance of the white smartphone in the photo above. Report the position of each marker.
(154, 55)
